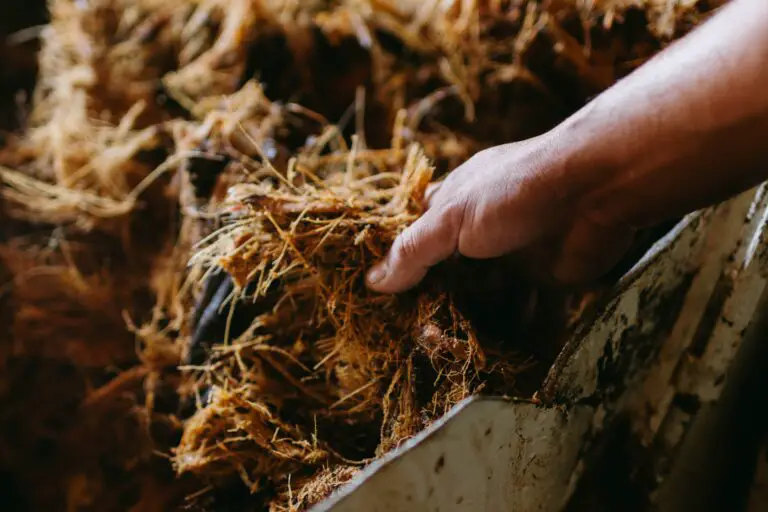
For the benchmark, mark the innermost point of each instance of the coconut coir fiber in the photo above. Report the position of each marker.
(190, 199)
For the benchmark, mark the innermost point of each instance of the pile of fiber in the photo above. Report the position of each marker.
(191, 197)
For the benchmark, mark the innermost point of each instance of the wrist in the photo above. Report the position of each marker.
(585, 169)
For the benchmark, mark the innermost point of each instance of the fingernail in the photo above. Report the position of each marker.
(377, 274)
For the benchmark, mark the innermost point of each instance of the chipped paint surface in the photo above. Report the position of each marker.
(657, 349)
(467, 462)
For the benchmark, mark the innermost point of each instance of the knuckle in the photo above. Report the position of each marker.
(491, 153)
(478, 160)
(486, 154)
(407, 245)
(451, 181)
(461, 202)
(453, 216)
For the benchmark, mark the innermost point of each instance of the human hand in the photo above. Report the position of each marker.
(685, 131)
(507, 199)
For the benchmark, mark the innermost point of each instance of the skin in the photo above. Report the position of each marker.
(686, 130)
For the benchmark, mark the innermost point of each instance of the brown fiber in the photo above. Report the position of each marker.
(190, 199)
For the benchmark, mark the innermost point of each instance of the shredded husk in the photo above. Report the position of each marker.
(191, 197)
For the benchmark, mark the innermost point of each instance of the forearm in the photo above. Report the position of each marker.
(688, 129)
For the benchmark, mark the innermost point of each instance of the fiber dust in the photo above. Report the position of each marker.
(191, 193)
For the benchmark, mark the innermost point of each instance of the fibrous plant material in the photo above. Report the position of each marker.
(324, 356)
(189, 205)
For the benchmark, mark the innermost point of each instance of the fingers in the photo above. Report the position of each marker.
(429, 240)
(588, 252)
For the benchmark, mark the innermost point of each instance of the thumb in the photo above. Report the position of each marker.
(428, 241)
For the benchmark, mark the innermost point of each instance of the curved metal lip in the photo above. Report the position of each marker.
(425, 435)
